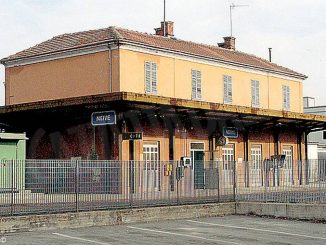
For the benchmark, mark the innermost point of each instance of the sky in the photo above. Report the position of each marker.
(294, 29)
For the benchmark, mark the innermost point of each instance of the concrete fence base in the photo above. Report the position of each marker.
(114, 217)
(284, 210)
(126, 216)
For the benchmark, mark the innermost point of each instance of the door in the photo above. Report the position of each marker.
(197, 155)
(228, 165)
(151, 169)
(288, 165)
(256, 170)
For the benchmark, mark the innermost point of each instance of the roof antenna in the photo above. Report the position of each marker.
(232, 6)
(164, 30)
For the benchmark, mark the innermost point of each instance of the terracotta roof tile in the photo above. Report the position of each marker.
(85, 38)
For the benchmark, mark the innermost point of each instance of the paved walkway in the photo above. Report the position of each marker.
(220, 230)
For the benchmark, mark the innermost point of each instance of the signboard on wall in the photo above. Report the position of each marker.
(103, 118)
(230, 132)
(132, 136)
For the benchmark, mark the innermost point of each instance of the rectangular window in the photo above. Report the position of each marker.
(254, 93)
(286, 97)
(196, 85)
(324, 135)
(227, 89)
(150, 77)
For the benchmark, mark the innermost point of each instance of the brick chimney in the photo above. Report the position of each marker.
(229, 43)
(168, 29)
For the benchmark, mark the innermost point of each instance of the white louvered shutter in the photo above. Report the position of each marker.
(286, 97)
(254, 93)
(147, 77)
(227, 80)
(193, 84)
(154, 78)
(198, 89)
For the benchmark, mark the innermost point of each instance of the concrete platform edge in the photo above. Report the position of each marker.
(112, 217)
(284, 210)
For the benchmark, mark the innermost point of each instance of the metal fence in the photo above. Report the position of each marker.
(50, 186)
(282, 181)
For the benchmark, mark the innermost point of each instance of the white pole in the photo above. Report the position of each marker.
(164, 30)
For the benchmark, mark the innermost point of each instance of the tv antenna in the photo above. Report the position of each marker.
(164, 30)
(233, 6)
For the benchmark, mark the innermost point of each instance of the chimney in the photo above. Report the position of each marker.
(168, 29)
(229, 43)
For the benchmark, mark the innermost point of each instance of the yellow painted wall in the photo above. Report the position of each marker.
(174, 80)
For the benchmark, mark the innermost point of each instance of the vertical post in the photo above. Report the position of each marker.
(267, 168)
(231, 6)
(234, 180)
(12, 188)
(164, 21)
(306, 157)
(94, 144)
(178, 180)
(77, 185)
(299, 138)
(218, 181)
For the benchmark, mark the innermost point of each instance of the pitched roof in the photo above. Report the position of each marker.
(93, 37)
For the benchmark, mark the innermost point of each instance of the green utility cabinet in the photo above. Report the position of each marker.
(12, 161)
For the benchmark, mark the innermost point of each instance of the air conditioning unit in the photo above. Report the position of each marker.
(186, 162)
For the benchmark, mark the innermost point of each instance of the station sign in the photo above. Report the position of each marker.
(132, 136)
(104, 118)
(230, 132)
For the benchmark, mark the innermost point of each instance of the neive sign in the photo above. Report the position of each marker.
(230, 132)
(103, 118)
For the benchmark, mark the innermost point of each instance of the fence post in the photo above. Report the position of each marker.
(234, 180)
(12, 188)
(218, 181)
(267, 168)
(178, 180)
(77, 185)
(319, 177)
(130, 166)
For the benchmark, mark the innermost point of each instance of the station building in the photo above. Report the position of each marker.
(207, 102)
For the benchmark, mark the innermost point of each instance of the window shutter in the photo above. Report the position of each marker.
(147, 77)
(227, 89)
(154, 78)
(198, 85)
(193, 84)
(286, 97)
(257, 94)
(254, 93)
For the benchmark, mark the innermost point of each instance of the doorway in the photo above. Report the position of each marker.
(197, 151)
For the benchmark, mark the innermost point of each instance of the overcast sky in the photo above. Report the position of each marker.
(295, 29)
